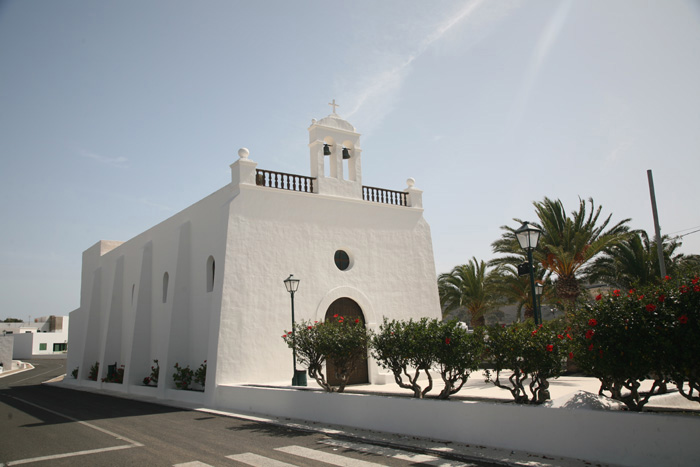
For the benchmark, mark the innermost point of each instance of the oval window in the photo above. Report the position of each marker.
(342, 260)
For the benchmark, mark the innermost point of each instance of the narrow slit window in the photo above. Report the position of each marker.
(211, 267)
(166, 279)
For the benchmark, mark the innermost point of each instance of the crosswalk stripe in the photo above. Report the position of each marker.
(326, 457)
(255, 460)
(424, 459)
(192, 464)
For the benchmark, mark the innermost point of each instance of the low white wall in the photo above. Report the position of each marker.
(611, 437)
(23, 346)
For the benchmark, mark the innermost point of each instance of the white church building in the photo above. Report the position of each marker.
(207, 283)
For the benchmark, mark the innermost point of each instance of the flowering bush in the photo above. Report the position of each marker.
(117, 376)
(653, 332)
(681, 362)
(531, 352)
(344, 342)
(457, 354)
(406, 348)
(94, 371)
(409, 348)
(182, 376)
(74, 373)
(200, 374)
(153, 377)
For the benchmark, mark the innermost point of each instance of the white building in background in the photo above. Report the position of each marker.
(45, 336)
(207, 283)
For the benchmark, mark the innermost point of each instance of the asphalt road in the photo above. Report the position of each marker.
(47, 425)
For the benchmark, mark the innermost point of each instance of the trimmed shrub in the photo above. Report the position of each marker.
(343, 341)
(537, 353)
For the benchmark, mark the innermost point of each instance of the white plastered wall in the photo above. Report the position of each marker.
(274, 233)
(122, 317)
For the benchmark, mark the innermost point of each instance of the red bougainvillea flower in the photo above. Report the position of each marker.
(534, 332)
(589, 334)
(592, 322)
(590, 348)
(335, 316)
(651, 308)
(667, 278)
(310, 328)
(284, 335)
(616, 292)
(571, 355)
(640, 297)
(683, 289)
(695, 280)
(598, 297)
(569, 336)
(683, 319)
(357, 320)
(662, 297)
(560, 336)
(447, 340)
(631, 292)
(550, 348)
(696, 288)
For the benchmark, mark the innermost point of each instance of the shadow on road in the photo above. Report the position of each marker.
(272, 430)
(76, 404)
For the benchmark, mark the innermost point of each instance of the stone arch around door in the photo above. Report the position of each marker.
(348, 309)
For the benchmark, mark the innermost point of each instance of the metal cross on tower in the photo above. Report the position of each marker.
(334, 105)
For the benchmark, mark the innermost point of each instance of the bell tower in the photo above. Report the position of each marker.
(334, 147)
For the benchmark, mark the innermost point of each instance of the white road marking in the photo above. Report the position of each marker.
(326, 457)
(68, 454)
(192, 464)
(396, 453)
(255, 460)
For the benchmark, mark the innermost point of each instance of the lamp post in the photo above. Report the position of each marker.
(528, 236)
(299, 378)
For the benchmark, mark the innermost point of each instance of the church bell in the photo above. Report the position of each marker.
(326, 150)
(346, 153)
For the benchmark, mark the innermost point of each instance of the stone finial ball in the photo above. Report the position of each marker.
(410, 182)
(243, 153)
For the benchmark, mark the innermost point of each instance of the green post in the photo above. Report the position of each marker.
(535, 308)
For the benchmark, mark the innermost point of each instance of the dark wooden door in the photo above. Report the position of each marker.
(348, 309)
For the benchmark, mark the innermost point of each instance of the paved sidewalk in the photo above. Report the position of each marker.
(478, 390)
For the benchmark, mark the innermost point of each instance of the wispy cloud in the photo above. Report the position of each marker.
(544, 44)
(152, 204)
(376, 95)
(145, 201)
(120, 162)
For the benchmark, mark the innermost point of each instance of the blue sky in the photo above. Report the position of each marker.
(116, 115)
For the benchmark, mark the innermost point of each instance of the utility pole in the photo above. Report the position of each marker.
(657, 229)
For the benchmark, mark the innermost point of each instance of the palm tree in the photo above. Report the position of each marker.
(567, 244)
(635, 262)
(516, 290)
(469, 286)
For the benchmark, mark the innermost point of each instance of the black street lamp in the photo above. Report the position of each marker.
(528, 236)
(539, 288)
(299, 378)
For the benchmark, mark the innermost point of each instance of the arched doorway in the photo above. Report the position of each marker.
(349, 309)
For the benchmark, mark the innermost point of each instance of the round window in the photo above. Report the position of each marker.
(342, 260)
